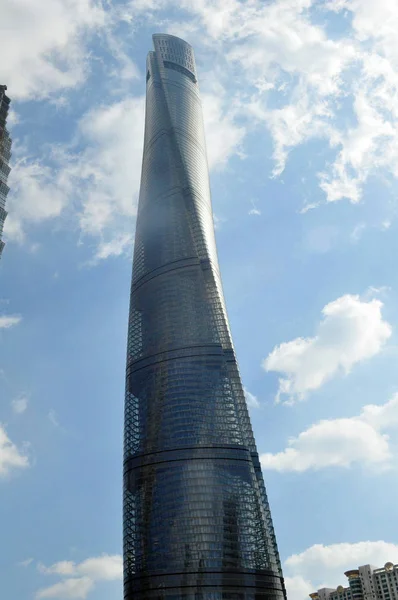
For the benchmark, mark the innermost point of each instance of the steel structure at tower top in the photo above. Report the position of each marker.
(197, 523)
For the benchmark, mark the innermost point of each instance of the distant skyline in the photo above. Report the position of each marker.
(301, 125)
(365, 582)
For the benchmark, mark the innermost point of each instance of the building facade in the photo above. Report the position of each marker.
(365, 583)
(5, 155)
(197, 523)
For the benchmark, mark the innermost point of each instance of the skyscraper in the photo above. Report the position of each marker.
(5, 154)
(197, 523)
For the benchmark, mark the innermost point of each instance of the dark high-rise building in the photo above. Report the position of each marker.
(197, 523)
(5, 154)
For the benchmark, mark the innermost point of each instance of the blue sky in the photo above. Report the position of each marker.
(301, 117)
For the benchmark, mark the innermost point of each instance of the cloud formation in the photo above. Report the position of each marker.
(47, 44)
(78, 579)
(7, 321)
(11, 457)
(297, 587)
(324, 565)
(39, 192)
(223, 136)
(294, 77)
(352, 330)
(251, 399)
(20, 404)
(26, 562)
(75, 587)
(362, 440)
(273, 68)
(96, 188)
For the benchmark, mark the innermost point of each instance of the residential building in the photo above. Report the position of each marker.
(365, 583)
(385, 581)
(197, 523)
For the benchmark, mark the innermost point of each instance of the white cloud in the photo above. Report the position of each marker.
(381, 416)
(375, 291)
(25, 563)
(115, 247)
(79, 578)
(293, 124)
(63, 567)
(11, 456)
(297, 587)
(370, 145)
(105, 567)
(351, 331)
(251, 399)
(97, 186)
(7, 321)
(308, 207)
(338, 442)
(343, 556)
(273, 67)
(341, 442)
(321, 565)
(20, 404)
(254, 211)
(275, 46)
(357, 232)
(52, 417)
(78, 588)
(296, 79)
(39, 193)
(46, 44)
(362, 148)
(223, 135)
(110, 165)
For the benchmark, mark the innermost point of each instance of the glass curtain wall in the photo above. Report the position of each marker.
(5, 155)
(197, 523)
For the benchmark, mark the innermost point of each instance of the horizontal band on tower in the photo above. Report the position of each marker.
(176, 353)
(193, 453)
(172, 266)
(266, 580)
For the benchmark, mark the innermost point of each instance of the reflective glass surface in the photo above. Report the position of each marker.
(196, 518)
(5, 154)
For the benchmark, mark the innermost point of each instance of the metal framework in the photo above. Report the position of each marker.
(197, 523)
(5, 155)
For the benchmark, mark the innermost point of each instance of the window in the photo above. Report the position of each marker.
(183, 70)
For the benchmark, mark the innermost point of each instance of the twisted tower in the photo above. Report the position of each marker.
(197, 524)
(5, 155)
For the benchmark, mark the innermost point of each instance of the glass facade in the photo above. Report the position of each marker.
(5, 155)
(197, 523)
